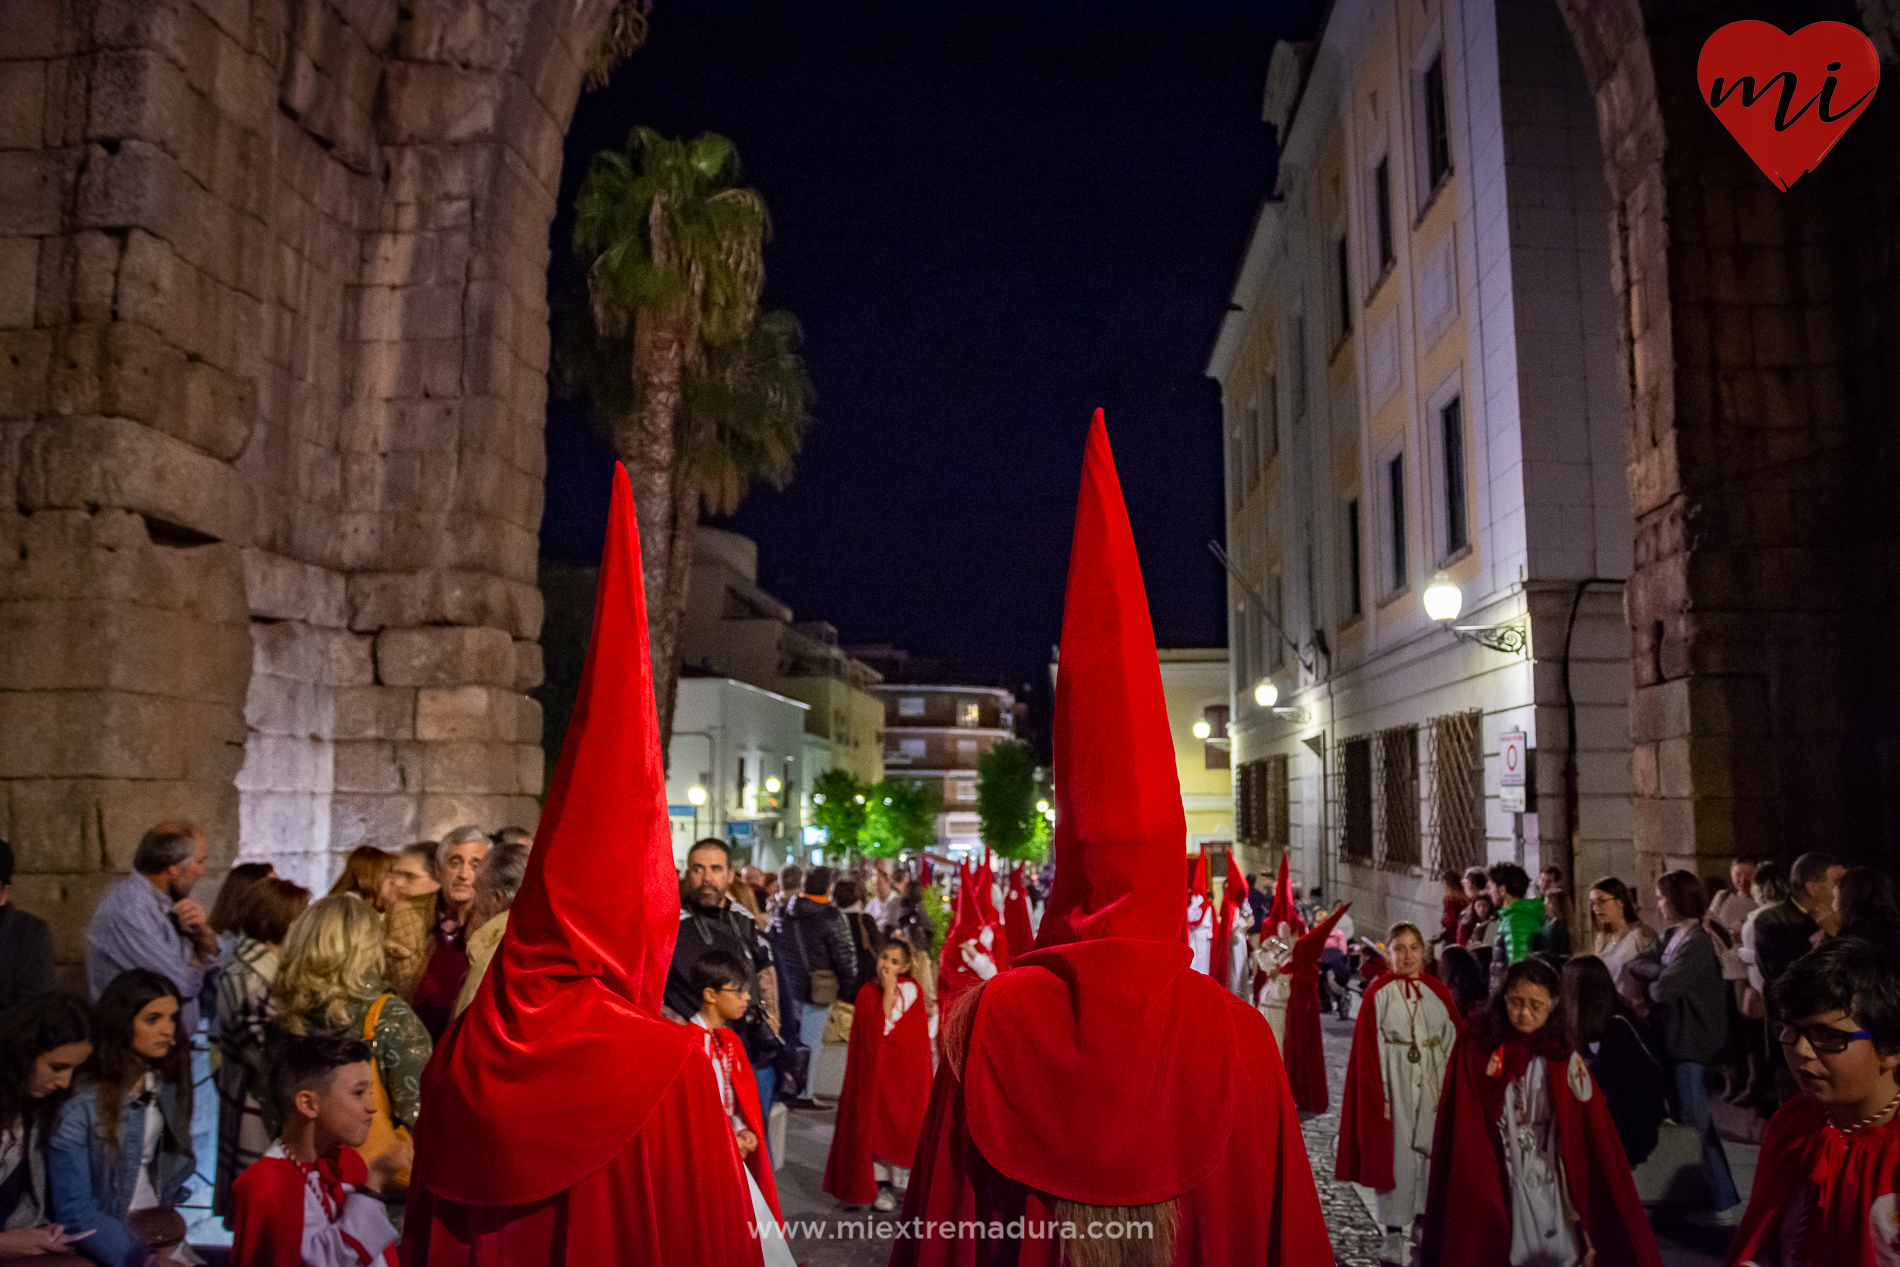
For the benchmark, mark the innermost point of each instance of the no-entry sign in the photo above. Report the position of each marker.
(1511, 771)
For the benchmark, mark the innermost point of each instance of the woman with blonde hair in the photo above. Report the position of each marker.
(364, 872)
(330, 981)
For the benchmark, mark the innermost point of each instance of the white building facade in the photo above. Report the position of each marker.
(737, 762)
(1421, 374)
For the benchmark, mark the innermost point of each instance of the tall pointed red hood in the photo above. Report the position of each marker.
(1120, 830)
(1283, 911)
(562, 1055)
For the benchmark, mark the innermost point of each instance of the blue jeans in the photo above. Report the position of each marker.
(766, 1077)
(1692, 1094)
(811, 1032)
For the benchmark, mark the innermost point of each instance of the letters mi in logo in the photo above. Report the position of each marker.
(1788, 98)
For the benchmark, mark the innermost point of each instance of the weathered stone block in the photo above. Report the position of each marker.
(25, 356)
(22, 103)
(87, 462)
(469, 767)
(330, 657)
(368, 765)
(467, 713)
(117, 734)
(280, 588)
(33, 185)
(445, 657)
(288, 706)
(382, 600)
(99, 644)
(66, 903)
(388, 822)
(529, 672)
(441, 812)
(286, 763)
(375, 712)
(530, 767)
(19, 281)
(82, 825)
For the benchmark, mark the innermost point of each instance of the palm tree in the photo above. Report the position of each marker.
(675, 260)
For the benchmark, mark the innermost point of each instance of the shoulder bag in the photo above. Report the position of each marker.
(383, 1131)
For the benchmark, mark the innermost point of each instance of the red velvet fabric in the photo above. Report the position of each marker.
(267, 1203)
(1233, 898)
(1305, 1049)
(745, 1095)
(562, 1119)
(986, 892)
(1021, 937)
(1365, 1113)
(1254, 1204)
(1467, 1211)
(1197, 877)
(1283, 911)
(1856, 1214)
(886, 1087)
(672, 1196)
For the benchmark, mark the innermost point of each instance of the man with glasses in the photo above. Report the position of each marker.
(1827, 1187)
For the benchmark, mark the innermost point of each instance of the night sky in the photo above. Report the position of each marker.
(990, 218)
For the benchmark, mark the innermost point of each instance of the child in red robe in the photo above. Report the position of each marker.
(311, 1201)
(1827, 1187)
(1526, 1163)
(725, 993)
(886, 1084)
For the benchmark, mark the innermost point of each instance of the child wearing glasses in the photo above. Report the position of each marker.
(724, 987)
(1825, 1189)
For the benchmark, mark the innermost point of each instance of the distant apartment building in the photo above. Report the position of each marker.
(1421, 384)
(766, 705)
(936, 733)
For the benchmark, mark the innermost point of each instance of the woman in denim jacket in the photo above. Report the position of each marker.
(121, 1151)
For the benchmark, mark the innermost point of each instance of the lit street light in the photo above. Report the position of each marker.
(1266, 694)
(1042, 807)
(773, 785)
(697, 795)
(1202, 730)
(1443, 599)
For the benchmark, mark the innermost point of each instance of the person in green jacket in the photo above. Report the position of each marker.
(1520, 917)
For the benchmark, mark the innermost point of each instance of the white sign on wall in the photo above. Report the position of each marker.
(1511, 762)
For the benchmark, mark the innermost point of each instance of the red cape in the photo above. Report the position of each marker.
(673, 1195)
(886, 1086)
(1471, 1227)
(1232, 898)
(1283, 911)
(745, 1095)
(267, 1203)
(1021, 937)
(1253, 1200)
(1305, 1049)
(1851, 1173)
(1365, 1115)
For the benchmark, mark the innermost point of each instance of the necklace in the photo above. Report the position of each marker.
(1866, 1122)
(1406, 988)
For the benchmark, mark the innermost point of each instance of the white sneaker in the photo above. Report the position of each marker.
(886, 1200)
(1731, 1217)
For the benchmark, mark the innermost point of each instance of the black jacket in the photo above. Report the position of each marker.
(1632, 1082)
(1783, 933)
(729, 929)
(825, 937)
(26, 955)
(865, 940)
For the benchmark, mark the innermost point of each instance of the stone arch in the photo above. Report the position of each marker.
(1758, 335)
(273, 313)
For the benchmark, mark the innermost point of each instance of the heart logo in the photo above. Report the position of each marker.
(1788, 98)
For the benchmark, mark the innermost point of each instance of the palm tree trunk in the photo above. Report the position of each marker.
(679, 572)
(646, 446)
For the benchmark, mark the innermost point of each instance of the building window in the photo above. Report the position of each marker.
(1382, 210)
(910, 706)
(909, 750)
(1275, 635)
(1217, 758)
(1397, 575)
(1437, 137)
(966, 789)
(1355, 774)
(966, 750)
(1457, 784)
(1355, 565)
(1344, 280)
(1250, 444)
(1452, 432)
(1398, 798)
(1260, 804)
(1298, 361)
(1269, 419)
(968, 713)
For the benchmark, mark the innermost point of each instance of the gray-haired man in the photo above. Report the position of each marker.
(149, 920)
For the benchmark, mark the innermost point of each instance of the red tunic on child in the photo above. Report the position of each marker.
(886, 1085)
(287, 1214)
(1822, 1198)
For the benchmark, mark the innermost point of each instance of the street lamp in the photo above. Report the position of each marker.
(697, 795)
(1202, 730)
(1444, 600)
(860, 798)
(1266, 694)
(1042, 807)
(773, 785)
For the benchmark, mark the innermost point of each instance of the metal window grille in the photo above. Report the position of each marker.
(1245, 829)
(1279, 832)
(1397, 782)
(1456, 779)
(1354, 763)
(1261, 809)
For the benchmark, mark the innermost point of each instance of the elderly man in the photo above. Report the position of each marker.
(149, 919)
(426, 937)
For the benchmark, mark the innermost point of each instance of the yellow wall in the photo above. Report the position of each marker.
(1191, 681)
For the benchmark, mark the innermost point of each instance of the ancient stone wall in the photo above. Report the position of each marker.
(1759, 334)
(273, 343)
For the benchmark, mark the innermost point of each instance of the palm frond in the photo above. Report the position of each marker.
(745, 413)
(625, 34)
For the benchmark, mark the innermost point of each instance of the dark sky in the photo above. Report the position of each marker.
(990, 218)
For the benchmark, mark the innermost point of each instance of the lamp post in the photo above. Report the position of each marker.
(697, 795)
(1444, 600)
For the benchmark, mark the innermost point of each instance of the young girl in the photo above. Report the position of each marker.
(1827, 1188)
(121, 1155)
(886, 1086)
(1526, 1166)
(1400, 1047)
(42, 1041)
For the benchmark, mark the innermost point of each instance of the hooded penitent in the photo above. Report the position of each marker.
(1305, 1054)
(1283, 911)
(1086, 1071)
(562, 1063)
(1021, 937)
(954, 974)
(1233, 900)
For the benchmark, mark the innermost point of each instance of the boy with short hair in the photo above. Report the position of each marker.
(311, 1201)
(723, 986)
(1827, 1187)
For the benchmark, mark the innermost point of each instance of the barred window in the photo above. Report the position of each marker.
(1398, 798)
(1261, 815)
(1279, 832)
(1457, 790)
(1356, 820)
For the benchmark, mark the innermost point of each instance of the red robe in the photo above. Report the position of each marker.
(269, 1203)
(1365, 1114)
(727, 1047)
(1305, 1051)
(1221, 953)
(1021, 937)
(886, 1085)
(1467, 1208)
(1194, 1090)
(1855, 1218)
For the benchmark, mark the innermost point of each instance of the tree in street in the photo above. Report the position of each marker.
(1007, 789)
(838, 806)
(900, 816)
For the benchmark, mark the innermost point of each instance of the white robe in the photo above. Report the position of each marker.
(1541, 1234)
(1411, 1090)
(1200, 919)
